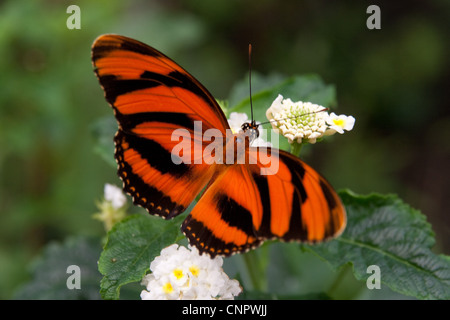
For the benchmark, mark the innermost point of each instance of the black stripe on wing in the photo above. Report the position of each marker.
(206, 242)
(145, 195)
(130, 121)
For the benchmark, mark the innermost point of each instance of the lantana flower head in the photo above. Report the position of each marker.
(113, 207)
(114, 195)
(305, 122)
(180, 273)
(297, 121)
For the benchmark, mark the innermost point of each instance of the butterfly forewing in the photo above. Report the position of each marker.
(152, 96)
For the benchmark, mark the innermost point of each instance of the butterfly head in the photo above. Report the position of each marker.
(251, 128)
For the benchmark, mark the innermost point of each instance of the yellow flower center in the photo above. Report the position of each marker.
(167, 288)
(178, 273)
(194, 270)
(339, 122)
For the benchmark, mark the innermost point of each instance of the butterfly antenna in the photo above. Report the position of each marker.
(250, 77)
(321, 110)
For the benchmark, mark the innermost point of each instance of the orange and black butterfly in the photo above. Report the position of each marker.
(244, 202)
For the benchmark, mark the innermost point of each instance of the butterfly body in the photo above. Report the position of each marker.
(174, 143)
(252, 127)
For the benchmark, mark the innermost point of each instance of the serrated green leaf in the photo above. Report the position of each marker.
(132, 244)
(386, 232)
(50, 271)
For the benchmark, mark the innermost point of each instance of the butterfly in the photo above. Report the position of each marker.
(242, 203)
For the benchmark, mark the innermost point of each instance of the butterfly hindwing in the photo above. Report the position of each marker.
(223, 220)
(278, 199)
(299, 204)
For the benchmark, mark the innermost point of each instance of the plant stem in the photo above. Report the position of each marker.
(338, 281)
(256, 271)
(345, 286)
(296, 148)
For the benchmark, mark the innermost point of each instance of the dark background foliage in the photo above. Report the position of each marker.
(394, 81)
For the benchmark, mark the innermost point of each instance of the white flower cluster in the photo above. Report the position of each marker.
(237, 119)
(114, 195)
(112, 208)
(182, 274)
(305, 121)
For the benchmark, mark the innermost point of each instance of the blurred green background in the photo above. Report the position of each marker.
(394, 81)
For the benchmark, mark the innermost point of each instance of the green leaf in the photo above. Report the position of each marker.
(132, 244)
(50, 271)
(386, 232)
(266, 89)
